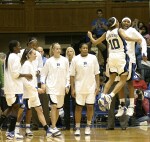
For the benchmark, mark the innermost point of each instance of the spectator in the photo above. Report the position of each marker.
(41, 51)
(135, 23)
(99, 27)
(138, 82)
(143, 30)
(145, 66)
(141, 109)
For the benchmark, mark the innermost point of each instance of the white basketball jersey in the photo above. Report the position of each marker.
(115, 41)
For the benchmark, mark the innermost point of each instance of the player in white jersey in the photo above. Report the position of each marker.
(55, 80)
(131, 32)
(30, 95)
(118, 60)
(84, 78)
(13, 86)
(37, 64)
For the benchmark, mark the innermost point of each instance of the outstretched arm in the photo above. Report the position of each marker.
(97, 41)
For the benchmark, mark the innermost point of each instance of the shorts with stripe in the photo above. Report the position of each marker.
(57, 99)
(132, 75)
(118, 63)
(34, 102)
(16, 99)
(82, 99)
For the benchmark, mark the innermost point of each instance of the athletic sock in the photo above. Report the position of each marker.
(46, 127)
(112, 94)
(132, 102)
(122, 100)
(88, 123)
(77, 125)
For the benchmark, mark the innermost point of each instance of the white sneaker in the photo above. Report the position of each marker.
(29, 132)
(87, 130)
(49, 133)
(108, 100)
(101, 104)
(121, 111)
(101, 101)
(17, 129)
(102, 108)
(77, 132)
(10, 135)
(130, 111)
(18, 136)
(144, 123)
(55, 132)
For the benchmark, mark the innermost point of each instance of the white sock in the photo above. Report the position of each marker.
(77, 125)
(131, 102)
(17, 124)
(88, 123)
(112, 94)
(27, 125)
(122, 100)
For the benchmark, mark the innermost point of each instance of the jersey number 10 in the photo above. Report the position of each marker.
(114, 44)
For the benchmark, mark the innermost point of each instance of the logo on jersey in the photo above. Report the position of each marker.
(84, 64)
(58, 64)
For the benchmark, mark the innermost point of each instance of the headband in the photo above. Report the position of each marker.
(126, 18)
(32, 41)
(114, 22)
(29, 51)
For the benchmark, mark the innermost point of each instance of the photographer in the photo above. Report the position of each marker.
(141, 110)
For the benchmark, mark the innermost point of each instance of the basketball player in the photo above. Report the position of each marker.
(118, 60)
(84, 78)
(13, 86)
(55, 80)
(132, 32)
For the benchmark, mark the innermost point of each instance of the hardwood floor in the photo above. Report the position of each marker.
(132, 134)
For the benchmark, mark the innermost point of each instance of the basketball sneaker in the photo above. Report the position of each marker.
(122, 110)
(55, 132)
(130, 111)
(77, 132)
(48, 133)
(29, 132)
(87, 130)
(107, 101)
(10, 135)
